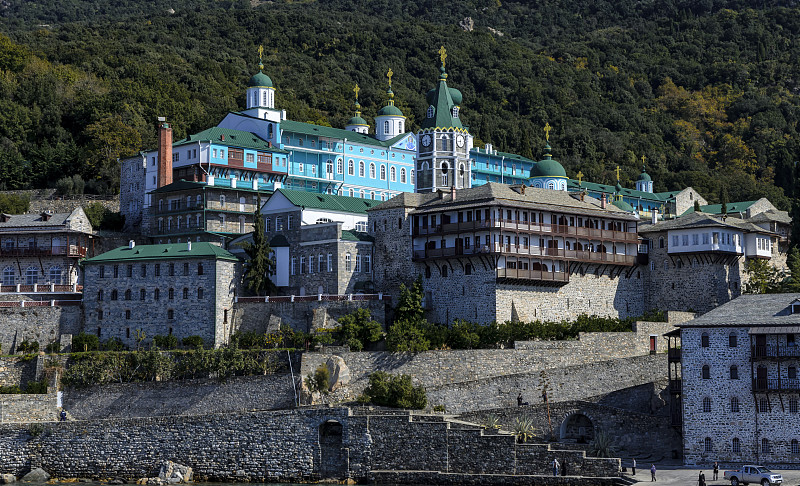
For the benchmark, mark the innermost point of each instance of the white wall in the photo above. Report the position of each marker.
(720, 244)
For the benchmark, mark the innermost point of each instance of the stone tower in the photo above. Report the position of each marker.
(443, 142)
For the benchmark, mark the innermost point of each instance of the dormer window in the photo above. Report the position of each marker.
(455, 112)
(431, 111)
(795, 306)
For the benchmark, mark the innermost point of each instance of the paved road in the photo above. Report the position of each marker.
(688, 476)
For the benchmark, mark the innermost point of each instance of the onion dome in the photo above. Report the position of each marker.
(644, 176)
(548, 167)
(260, 80)
(390, 109)
(357, 120)
(618, 188)
(619, 203)
(456, 95)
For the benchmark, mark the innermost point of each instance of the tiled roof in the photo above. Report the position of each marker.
(572, 185)
(169, 251)
(33, 220)
(701, 220)
(328, 201)
(329, 132)
(546, 199)
(771, 215)
(734, 207)
(232, 138)
(751, 310)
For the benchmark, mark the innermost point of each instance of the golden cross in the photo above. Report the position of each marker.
(579, 175)
(260, 52)
(547, 129)
(356, 90)
(442, 54)
(617, 173)
(389, 75)
(643, 159)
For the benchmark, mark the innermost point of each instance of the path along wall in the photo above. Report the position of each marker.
(299, 445)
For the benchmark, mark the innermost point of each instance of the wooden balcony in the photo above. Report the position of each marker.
(774, 353)
(764, 385)
(674, 355)
(73, 251)
(527, 227)
(535, 275)
(529, 251)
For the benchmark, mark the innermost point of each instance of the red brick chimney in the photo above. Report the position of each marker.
(164, 153)
(603, 201)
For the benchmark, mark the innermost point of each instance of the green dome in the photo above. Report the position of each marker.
(623, 205)
(618, 187)
(390, 110)
(456, 95)
(548, 167)
(260, 80)
(644, 176)
(357, 120)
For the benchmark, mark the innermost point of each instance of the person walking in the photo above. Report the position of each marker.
(716, 470)
(701, 480)
(555, 467)
(63, 415)
(633, 467)
(653, 473)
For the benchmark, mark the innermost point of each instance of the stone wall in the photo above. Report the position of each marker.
(17, 371)
(300, 316)
(298, 445)
(187, 397)
(42, 324)
(48, 200)
(132, 186)
(561, 384)
(27, 408)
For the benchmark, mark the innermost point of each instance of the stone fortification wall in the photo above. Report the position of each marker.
(188, 397)
(294, 445)
(42, 324)
(28, 408)
(48, 200)
(300, 316)
(17, 371)
(561, 384)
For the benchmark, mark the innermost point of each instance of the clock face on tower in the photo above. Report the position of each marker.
(426, 140)
(460, 140)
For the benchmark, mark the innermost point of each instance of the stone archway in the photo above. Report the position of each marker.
(333, 461)
(577, 427)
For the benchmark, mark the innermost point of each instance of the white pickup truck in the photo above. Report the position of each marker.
(753, 474)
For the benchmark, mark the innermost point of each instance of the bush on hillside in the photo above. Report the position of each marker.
(394, 391)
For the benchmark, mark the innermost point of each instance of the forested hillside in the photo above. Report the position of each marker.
(708, 90)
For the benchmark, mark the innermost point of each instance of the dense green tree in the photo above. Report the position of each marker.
(259, 266)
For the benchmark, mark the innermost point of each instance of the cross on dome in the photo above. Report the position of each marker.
(389, 75)
(356, 90)
(260, 57)
(547, 129)
(443, 55)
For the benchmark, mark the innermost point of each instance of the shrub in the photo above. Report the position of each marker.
(524, 429)
(53, 348)
(114, 344)
(394, 391)
(192, 342)
(103, 218)
(27, 347)
(318, 381)
(359, 330)
(36, 387)
(165, 342)
(85, 342)
(602, 446)
(10, 390)
(13, 204)
(406, 337)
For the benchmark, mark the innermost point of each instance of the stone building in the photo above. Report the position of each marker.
(697, 262)
(43, 249)
(320, 242)
(739, 383)
(183, 289)
(498, 252)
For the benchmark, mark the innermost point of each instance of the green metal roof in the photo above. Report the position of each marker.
(441, 98)
(572, 185)
(232, 138)
(357, 120)
(644, 176)
(734, 207)
(507, 155)
(390, 110)
(184, 185)
(349, 235)
(623, 205)
(328, 201)
(260, 80)
(170, 251)
(329, 132)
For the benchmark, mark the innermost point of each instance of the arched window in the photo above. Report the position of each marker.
(128, 294)
(383, 172)
(400, 126)
(468, 269)
(708, 445)
(412, 177)
(350, 192)
(269, 131)
(9, 276)
(351, 167)
(661, 242)
(444, 270)
(241, 224)
(242, 202)
(455, 112)
(706, 372)
(329, 168)
(765, 446)
(736, 446)
(795, 447)
(386, 127)
(339, 166)
(171, 294)
(763, 405)
(114, 294)
(361, 169)
(222, 200)
(445, 169)
(734, 405)
(704, 340)
(734, 372)
(100, 295)
(264, 100)
(403, 175)
(32, 276)
(431, 111)
(361, 193)
(706, 404)
(372, 170)
(156, 294)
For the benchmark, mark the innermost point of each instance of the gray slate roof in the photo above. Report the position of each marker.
(701, 220)
(751, 310)
(771, 215)
(546, 199)
(32, 221)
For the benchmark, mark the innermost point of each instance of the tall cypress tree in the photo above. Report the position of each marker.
(259, 265)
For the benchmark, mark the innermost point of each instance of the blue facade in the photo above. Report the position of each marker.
(489, 165)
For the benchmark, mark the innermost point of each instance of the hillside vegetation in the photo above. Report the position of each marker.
(706, 90)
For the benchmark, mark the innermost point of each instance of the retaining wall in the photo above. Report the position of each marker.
(42, 324)
(300, 316)
(14, 370)
(27, 408)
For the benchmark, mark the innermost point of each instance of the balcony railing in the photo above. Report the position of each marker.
(759, 352)
(537, 275)
(529, 251)
(674, 355)
(40, 288)
(776, 385)
(539, 228)
(675, 385)
(63, 250)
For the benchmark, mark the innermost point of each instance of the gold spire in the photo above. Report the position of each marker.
(356, 90)
(643, 159)
(260, 57)
(547, 129)
(389, 75)
(442, 55)
(617, 173)
(579, 175)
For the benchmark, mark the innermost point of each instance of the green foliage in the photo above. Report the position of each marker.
(53, 348)
(762, 277)
(409, 305)
(165, 342)
(318, 381)
(491, 421)
(359, 330)
(36, 387)
(114, 344)
(10, 390)
(83, 342)
(27, 347)
(13, 204)
(259, 266)
(103, 218)
(193, 342)
(602, 445)
(406, 337)
(394, 391)
(524, 429)
(439, 409)
(68, 186)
